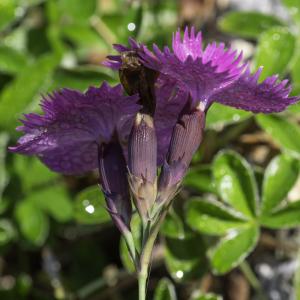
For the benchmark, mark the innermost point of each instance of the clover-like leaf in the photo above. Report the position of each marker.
(235, 182)
(212, 217)
(233, 248)
(280, 176)
(165, 290)
(278, 127)
(286, 217)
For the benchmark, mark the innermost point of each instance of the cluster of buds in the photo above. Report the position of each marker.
(153, 193)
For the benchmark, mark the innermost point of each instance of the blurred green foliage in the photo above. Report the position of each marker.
(216, 220)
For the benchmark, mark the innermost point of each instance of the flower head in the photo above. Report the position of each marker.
(216, 74)
(169, 98)
(79, 132)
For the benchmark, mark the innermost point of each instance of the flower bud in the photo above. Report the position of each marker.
(113, 179)
(143, 163)
(186, 138)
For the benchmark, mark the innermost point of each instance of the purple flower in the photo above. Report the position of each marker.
(74, 124)
(169, 98)
(79, 132)
(216, 74)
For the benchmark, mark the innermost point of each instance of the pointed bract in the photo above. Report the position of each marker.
(113, 179)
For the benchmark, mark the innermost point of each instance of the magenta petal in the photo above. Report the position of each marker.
(266, 97)
(190, 45)
(202, 74)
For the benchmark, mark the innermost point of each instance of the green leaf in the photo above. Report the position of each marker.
(207, 297)
(77, 11)
(294, 8)
(235, 182)
(280, 176)
(3, 172)
(38, 176)
(297, 278)
(85, 37)
(220, 115)
(185, 258)
(11, 60)
(211, 217)
(7, 12)
(165, 290)
(53, 200)
(90, 207)
(278, 127)
(286, 217)
(136, 230)
(233, 249)
(274, 51)
(200, 178)
(17, 95)
(247, 24)
(78, 78)
(295, 73)
(33, 223)
(173, 226)
(7, 232)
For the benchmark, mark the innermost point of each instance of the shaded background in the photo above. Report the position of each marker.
(56, 240)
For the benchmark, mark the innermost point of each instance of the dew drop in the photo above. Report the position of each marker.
(179, 274)
(90, 209)
(131, 26)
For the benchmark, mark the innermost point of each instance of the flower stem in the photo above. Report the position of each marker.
(142, 279)
(145, 258)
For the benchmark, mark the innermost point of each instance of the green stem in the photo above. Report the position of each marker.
(249, 274)
(142, 279)
(145, 259)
